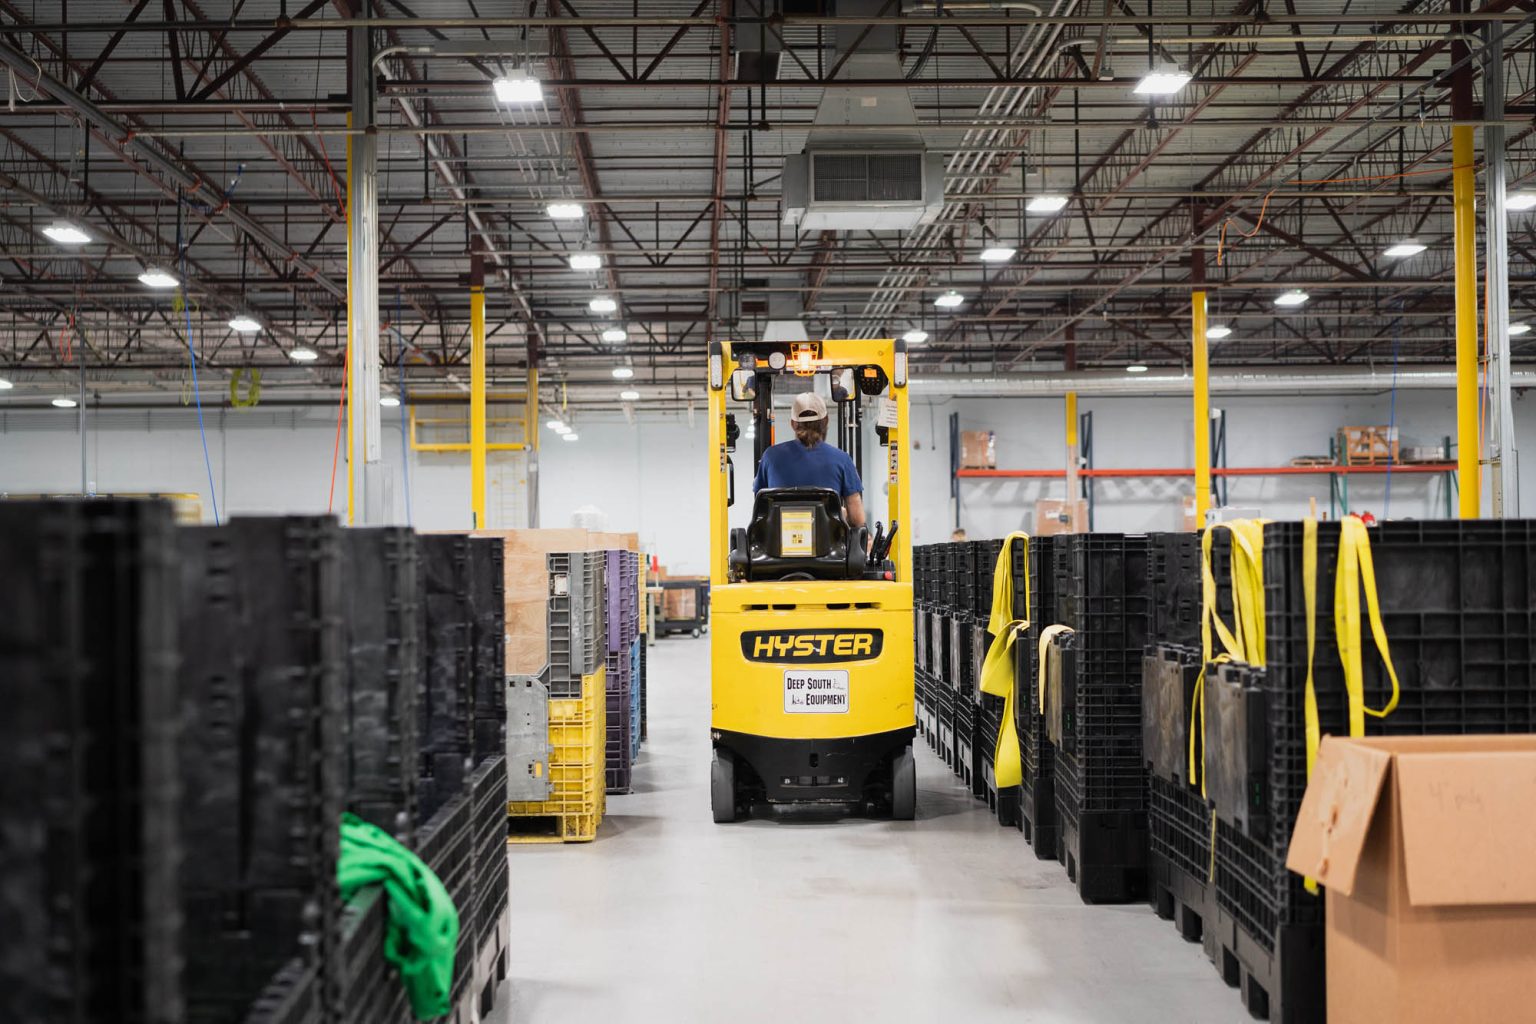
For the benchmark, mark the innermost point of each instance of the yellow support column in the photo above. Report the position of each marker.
(1072, 489)
(1202, 372)
(477, 390)
(1468, 442)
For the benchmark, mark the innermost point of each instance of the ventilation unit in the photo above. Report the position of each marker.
(872, 190)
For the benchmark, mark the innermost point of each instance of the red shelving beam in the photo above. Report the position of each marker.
(1057, 474)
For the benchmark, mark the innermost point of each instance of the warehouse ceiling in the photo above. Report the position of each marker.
(209, 139)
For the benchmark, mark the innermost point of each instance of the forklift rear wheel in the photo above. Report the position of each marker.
(904, 786)
(696, 632)
(722, 788)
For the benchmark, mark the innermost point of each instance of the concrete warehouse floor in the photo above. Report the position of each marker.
(669, 917)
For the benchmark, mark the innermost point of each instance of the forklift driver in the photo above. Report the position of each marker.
(808, 461)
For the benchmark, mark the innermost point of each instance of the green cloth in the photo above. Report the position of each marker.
(423, 930)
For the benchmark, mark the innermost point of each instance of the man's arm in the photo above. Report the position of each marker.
(853, 510)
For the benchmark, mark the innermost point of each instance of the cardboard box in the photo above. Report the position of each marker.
(1427, 847)
(978, 449)
(1053, 517)
(680, 603)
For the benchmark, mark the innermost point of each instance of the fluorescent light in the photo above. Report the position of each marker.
(1520, 201)
(64, 403)
(519, 88)
(1402, 250)
(303, 355)
(569, 435)
(154, 277)
(997, 254)
(565, 211)
(1294, 297)
(949, 300)
(613, 334)
(623, 372)
(558, 426)
(602, 304)
(65, 233)
(1046, 204)
(389, 402)
(585, 261)
(1136, 368)
(629, 396)
(244, 325)
(1163, 80)
(5, 385)
(1515, 330)
(915, 337)
(1218, 332)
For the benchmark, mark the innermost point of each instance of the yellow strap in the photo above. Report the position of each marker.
(1244, 641)
(1046, 635)
(1355, 567)
(1309, 592)
(1002, 584)
(997, 677)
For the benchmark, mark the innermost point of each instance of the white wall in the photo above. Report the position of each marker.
(649, 476)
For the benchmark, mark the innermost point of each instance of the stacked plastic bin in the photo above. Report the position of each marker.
(576, 680)
(622, 667)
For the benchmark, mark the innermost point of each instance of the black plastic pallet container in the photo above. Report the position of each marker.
(488, 688)
(382, 624)
(1170, 674)
(986, 566)
(89, 862)
(1037, 757)
(1174, 566)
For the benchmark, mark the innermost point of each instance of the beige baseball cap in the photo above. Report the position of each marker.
(808, 408)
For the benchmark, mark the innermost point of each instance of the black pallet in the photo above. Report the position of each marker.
(445, 700)
(262, 757)
(1179, 859)
(986, 553)
(1174, 568)
(1282, 980)
(382, 626)
(88, 794)
(371, 989)
(486, 585)
(291, 996)
(1037, 757)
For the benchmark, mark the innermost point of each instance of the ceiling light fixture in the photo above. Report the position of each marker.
(558, 426)
(1218, 332)
(1518, 201)
(997, 254)
(244, 324)
(519, 88)
(1163, 80)
(569, 435)
(1136, 368)
(565, 211)
(585, 261)
(303, 355)
(64, 403)
(949, 300)
(1402, 250)
(5, 385)
(65, 233)
(1294, 297)
(629, 396)
(389, 402)
(615, 334)
(154, 277)
(602, 304)
(1515, 330)
(1046, 204)
(915, 336)
(623, 372)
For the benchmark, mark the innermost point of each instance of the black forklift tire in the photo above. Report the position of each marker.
(904, 786)
(722, 788)
(696, 633)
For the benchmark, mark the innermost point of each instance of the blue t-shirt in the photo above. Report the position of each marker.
(792, 464)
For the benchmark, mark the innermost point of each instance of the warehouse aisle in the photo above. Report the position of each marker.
(669, 917)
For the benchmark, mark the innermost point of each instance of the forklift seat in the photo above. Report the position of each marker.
(798, 533)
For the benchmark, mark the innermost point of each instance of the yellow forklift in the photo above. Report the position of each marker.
(811, 625)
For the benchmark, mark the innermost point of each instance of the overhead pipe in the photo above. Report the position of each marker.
(1280, 381)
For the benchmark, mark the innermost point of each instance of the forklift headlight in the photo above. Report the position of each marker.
(900, 376)
(716, 366)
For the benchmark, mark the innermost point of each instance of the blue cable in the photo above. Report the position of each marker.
(197, 394)
(1397, 339)
(405, 454)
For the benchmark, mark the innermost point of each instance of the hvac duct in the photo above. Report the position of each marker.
(1281, 381)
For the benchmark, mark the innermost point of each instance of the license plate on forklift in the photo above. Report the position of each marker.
(816, 692)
